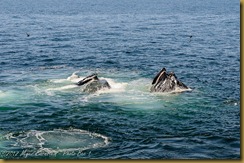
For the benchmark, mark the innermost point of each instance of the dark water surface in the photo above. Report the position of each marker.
(44, 115)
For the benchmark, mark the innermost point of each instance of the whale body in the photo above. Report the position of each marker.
(166, 82)
(93, 84)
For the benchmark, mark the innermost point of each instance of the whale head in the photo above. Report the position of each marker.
(87, 79)
(166, 82)
(93, 84)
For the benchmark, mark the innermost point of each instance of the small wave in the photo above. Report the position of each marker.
(52, 67)
(57, 141)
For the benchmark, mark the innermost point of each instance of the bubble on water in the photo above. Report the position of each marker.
(54, 142)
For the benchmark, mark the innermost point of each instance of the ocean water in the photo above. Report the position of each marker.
(43, 114)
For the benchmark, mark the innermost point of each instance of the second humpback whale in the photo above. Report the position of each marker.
(167, 82)
(93, 83)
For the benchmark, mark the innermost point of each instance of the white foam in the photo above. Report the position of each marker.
(2, 94)
(179, 90)
(116, 87)
(73, 76)
(58, 80)
(62, 88)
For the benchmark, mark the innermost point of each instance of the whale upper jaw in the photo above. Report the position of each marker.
(87, 79)
(166, 82)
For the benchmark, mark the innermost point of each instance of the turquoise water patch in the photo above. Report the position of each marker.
(50, 143)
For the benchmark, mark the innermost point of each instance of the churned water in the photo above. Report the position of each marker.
(43, 114)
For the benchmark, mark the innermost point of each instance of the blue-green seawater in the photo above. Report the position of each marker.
(43, 114)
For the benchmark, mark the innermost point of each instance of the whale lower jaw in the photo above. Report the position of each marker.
(175, 90)
(169, 86)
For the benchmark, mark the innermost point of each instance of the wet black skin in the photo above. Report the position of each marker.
(166, 82)
(93, 84)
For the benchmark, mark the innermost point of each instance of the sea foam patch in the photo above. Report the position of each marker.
(115, 86)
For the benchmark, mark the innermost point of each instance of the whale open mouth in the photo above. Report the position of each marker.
(87, 79)
(167, 82)
(162, 75)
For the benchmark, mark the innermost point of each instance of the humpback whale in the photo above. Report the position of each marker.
(166, 82)
(93, 83)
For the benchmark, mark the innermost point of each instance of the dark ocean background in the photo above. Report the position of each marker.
(43, 114)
